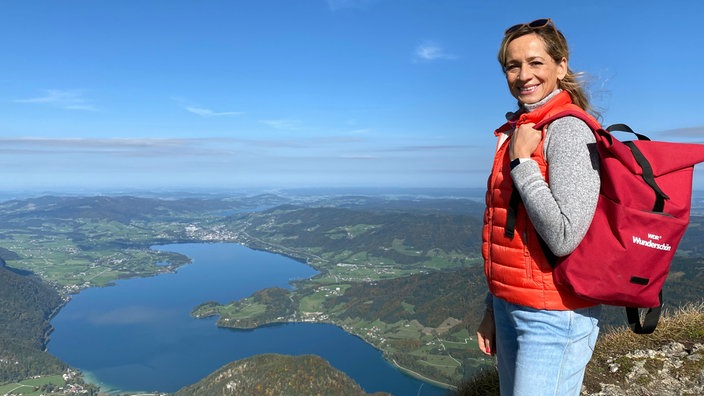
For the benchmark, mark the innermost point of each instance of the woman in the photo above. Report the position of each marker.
(542, 335)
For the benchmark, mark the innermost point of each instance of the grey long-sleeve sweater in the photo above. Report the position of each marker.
(561, 212)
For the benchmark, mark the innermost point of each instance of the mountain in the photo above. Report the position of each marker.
(122, 209)
(273, 374)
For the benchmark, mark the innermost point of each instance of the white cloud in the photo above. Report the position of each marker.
(691, 132)
(285, 124)
(65, 99)
(428, 148)
(107, 146)
(210, 113)
(430, 51)
(191, 107)
(156, 147)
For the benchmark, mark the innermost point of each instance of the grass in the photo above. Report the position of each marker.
(247, 311)
(685, 326)
(405, 332)
(30, 387)
(485, 383)
(399, 246)
(314, 302)
(350, 232)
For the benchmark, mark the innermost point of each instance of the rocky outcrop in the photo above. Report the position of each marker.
(674, 369)
(669, 362)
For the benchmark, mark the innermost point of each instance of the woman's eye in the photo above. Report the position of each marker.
(510, 68)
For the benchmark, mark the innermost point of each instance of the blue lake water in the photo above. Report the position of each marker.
(138, 335)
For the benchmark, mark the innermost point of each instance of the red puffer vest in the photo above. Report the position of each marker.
(516, 268)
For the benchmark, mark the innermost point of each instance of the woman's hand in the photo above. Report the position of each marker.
(486, 334)
(524, 141)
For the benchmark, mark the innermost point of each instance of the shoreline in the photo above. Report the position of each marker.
(404, 370)
(307, 261)
(303, 260)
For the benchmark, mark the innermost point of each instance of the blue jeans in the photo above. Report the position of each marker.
(541, 352)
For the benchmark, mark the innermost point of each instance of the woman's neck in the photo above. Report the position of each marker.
(532, 106)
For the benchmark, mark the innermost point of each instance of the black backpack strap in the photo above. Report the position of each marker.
(625, 128)
(647, 173)
(511, 211)
(649, 177)
(650, 321)
(510, 229)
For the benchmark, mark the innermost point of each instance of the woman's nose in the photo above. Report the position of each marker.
(524, 73)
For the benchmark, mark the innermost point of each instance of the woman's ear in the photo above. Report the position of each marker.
(562, 69)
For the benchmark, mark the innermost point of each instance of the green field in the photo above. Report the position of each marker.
(32, 387)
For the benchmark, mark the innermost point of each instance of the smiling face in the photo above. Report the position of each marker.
(531, 73)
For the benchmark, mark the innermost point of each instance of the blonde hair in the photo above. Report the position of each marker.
(556, 47)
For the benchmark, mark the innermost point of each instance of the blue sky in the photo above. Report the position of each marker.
(310, 93)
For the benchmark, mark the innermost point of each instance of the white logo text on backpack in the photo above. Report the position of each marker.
(650, 244)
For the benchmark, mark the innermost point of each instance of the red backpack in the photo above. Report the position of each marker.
(641, 215)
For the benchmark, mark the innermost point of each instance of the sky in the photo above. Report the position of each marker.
(198, 94)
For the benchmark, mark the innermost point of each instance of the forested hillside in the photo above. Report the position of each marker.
(428, 298)
(404, 238)
(27, 304)
(276, 375)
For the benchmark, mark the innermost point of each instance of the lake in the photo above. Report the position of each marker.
(139, 336)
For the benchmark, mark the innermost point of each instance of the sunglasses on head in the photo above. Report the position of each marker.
(536, 24)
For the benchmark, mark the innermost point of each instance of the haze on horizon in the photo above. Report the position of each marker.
(325, 93)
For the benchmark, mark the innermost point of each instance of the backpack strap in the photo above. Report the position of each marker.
(514, 202)
(647, 170)
(649, 177)
(625, 128)
(650, 320)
